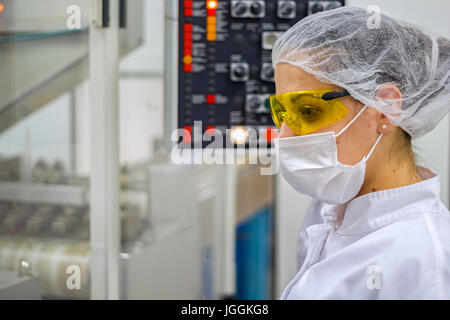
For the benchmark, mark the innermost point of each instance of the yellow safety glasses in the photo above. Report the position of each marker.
(307, 111)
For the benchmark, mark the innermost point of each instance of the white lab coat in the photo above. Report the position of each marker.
(389, 244)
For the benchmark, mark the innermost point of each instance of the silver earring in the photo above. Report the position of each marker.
(383, 126)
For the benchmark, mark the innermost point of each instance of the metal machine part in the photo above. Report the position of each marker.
(318, 6)
(14, 287)
(248, 9)
(223, 57)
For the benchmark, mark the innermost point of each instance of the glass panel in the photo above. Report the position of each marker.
(44, 151)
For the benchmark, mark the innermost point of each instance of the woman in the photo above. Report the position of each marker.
(348, 101)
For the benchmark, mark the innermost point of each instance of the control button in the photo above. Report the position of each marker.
(269, 38)
(286, 9)
(253, 104)
(256, 8)
(317, 7)
(267, 72)
(240, 8)
(248, 9)
(239, 71)
(333, 5)
(267, 104)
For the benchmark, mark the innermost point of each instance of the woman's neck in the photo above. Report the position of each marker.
(388, 176)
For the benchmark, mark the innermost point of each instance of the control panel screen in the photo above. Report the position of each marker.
(225, 67)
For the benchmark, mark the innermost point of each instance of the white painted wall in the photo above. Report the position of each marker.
(433, 148)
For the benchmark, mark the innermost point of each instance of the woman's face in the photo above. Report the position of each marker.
(357, 140)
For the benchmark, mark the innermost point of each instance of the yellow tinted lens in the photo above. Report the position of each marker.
(277, 111)
(305, 111)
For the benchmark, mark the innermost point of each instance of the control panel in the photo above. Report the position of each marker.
(225, 72)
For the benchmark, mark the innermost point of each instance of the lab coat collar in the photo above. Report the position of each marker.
(376, 209)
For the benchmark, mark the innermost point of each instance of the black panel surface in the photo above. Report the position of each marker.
(238, 49)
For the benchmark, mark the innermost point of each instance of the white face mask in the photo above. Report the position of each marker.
(309, 164)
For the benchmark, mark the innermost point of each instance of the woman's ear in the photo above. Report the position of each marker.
(391, 93)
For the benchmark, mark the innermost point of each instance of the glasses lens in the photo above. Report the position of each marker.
(277, 111)
(305, 112)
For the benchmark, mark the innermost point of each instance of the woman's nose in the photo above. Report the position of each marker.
(286, 132)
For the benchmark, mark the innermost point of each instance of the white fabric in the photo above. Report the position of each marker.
(399, 236)
(338, 47)
(309, 164)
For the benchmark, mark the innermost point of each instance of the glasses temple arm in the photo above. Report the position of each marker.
(335, 94)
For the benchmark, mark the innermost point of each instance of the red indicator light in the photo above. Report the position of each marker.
(210, 130)
(188, 36)
(188, 51)
(188, 4)
(187, 134)
(270, 134)
(188, 27)
(211, 6)
(210, 99)
(188, 68)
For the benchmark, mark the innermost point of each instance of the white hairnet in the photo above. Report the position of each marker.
(337, 47)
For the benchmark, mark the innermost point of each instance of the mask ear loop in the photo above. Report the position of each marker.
(350, 123)
(373, 147)
(365, 158)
